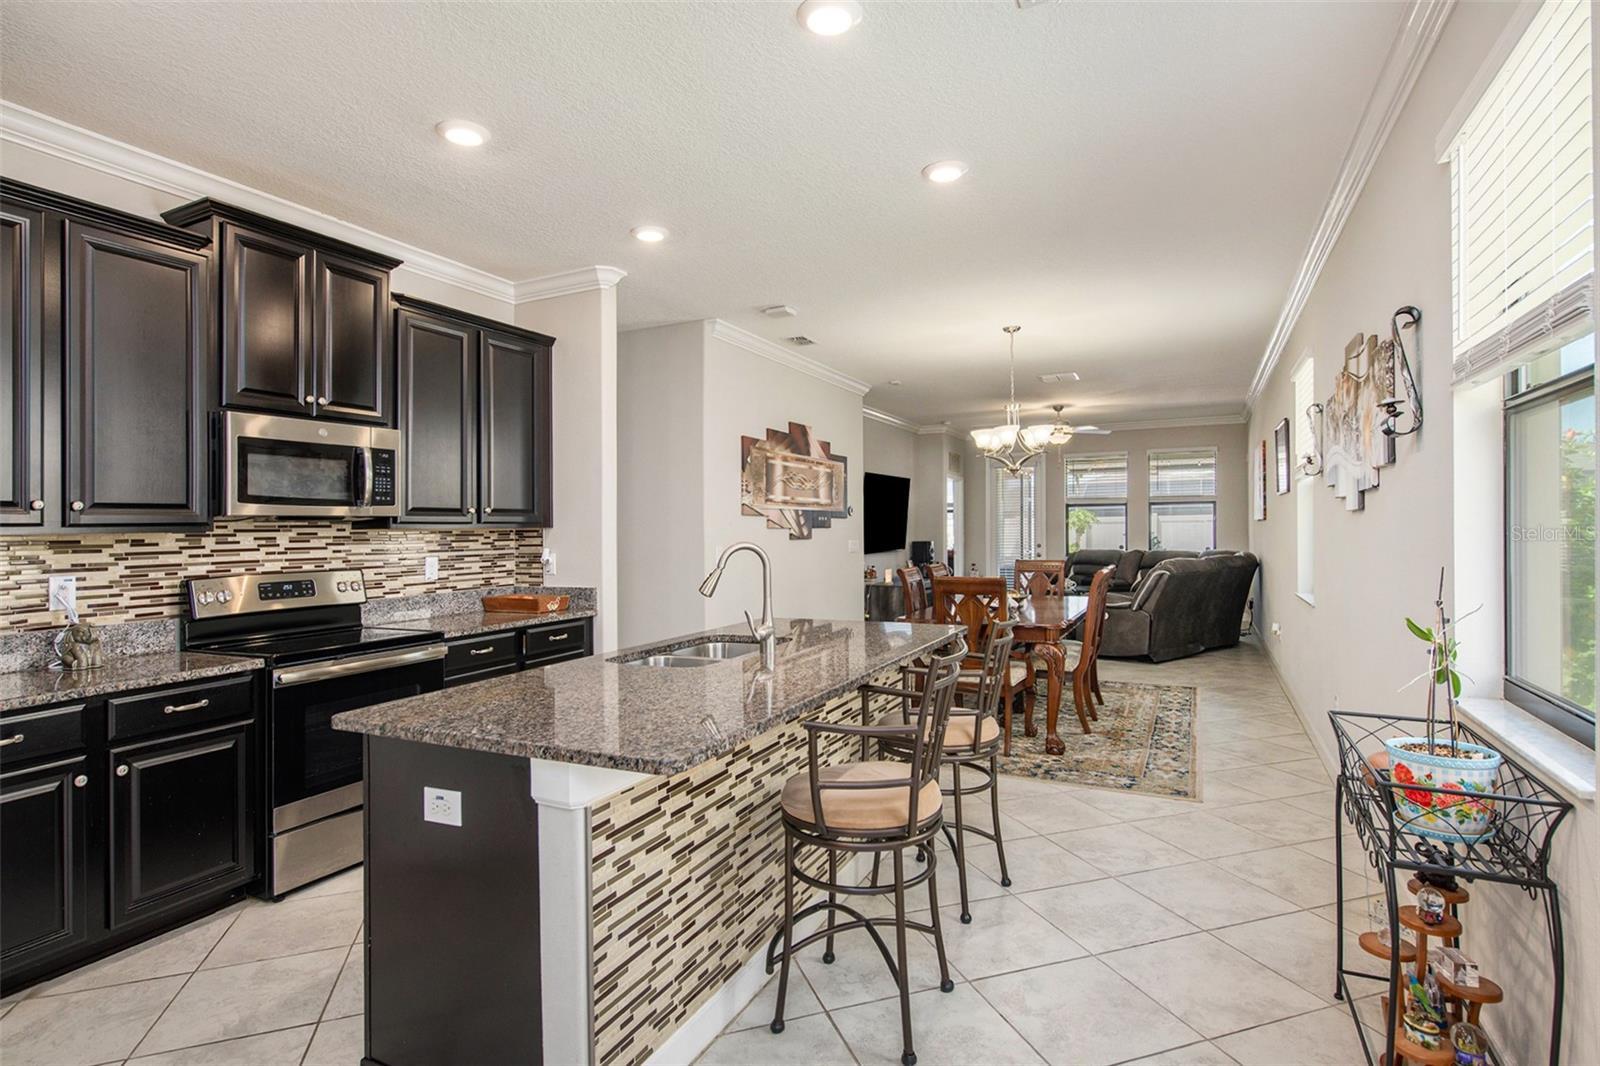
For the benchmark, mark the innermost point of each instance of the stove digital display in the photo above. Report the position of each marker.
(286, 590)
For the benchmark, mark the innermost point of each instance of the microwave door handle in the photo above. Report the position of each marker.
(363, 485)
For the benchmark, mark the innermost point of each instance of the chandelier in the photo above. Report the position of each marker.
(1012, 445)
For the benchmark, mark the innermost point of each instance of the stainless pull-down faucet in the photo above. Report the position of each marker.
(763, 632)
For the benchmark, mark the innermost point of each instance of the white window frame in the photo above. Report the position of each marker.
(1155, 499)
(1304, 443)
(1029, 533)
(1094, 501)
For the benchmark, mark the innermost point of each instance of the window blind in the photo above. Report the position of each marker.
(1305, 430)
(1522, 201)
(1014, 519)
(1184, 472)
(1097, 477)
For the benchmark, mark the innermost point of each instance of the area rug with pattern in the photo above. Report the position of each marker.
(1143, 742)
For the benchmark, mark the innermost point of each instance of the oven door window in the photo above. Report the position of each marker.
(275, 471)
(310, 756)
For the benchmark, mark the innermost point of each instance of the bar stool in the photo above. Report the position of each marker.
(971, 740)
(868, 808)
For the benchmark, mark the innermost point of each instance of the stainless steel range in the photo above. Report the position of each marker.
(320, 661)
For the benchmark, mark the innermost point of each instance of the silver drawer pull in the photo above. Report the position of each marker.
(8, 741)
(479, 651)
(181, 707)
(555, 637)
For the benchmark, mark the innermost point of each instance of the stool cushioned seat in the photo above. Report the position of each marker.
(969, 678)
(865, 808)
(958, 734)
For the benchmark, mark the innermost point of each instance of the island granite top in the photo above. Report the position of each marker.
(471, 623)
(605, 710)
(42, 685)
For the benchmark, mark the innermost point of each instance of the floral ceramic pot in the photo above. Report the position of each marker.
(1442, 815)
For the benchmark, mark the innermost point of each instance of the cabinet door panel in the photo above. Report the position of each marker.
(136, 313)
(180, 825)
(352, 339)
(438, 420)
(21, 369)
(266, 322)
(44, 908)
(514, 441)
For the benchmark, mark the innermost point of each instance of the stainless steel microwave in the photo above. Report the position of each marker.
(273, 465)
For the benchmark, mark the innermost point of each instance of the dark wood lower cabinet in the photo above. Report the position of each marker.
(44, 904)
(180, 820)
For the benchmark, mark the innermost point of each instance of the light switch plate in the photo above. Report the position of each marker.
(442, 806)
(547, 563)
(430, 568)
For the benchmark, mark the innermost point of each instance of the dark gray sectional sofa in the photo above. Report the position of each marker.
(1169, 604)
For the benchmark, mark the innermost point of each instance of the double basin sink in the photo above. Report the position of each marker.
(703, 654)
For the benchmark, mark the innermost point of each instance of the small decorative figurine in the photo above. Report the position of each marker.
(78, 647)
(1430, 905)
(1423, 1031)
(1471, 1044)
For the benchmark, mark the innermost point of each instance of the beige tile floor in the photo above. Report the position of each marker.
(1136, 929)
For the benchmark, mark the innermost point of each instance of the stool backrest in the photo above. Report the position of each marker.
(995, 664)
(938, 685)
(1041, 577)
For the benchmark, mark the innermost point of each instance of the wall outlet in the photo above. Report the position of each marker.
(854, 546)
(441, 806)
(1277, 630)
(547, 563)
(430, 568)
(64, 593)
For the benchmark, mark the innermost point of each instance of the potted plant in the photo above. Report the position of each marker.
(1442, 761)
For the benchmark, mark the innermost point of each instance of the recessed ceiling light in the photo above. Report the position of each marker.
(649, 234)
(829, 18)
(461, 132)
(945, 171)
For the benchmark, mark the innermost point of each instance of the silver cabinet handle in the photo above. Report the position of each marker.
(310, 398)
(181, 707)
(122, 771)
(322, 399)
(488, 510)
(479, 651)
(77, 505)
(552, 638)
(8, 741)
(81, 780)
(472, 510)
(35, 505)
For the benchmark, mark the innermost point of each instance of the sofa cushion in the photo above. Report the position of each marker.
(1127, 569)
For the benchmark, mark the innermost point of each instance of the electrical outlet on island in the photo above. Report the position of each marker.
(442, 806)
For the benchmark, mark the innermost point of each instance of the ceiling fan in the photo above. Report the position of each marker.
(1061, 431)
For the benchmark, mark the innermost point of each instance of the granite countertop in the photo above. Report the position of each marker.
(599, 711)
(470, 623)
(42, 685)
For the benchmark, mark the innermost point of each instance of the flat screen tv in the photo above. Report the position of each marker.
(885, 501)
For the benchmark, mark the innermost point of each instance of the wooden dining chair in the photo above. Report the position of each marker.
(1041, 577)
(975, 602)
(916, 592)
(938, 570)
(1085, 678)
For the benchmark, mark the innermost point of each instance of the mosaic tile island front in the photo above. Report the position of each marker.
(659, 845)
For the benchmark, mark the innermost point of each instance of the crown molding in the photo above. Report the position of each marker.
(875, 415)
(757, 345)
(1237, 419)
(939, 430)
(566, 283)
(1407, 55)
(42, 133)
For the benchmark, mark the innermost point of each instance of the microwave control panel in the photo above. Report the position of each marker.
(383, 477)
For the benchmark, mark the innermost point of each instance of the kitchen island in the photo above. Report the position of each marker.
(582, 863)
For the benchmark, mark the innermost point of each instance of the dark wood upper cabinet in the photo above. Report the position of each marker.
(514, 409)
(180, 825)
(474, 414)
(438, 419)
(352, 345)
(266, 322)
(133, 376)
(43, 848)
(304, 318)
(22, 368)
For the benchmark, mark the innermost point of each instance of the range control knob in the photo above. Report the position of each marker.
(355, 586)
(224, 596)
(341, 586)
(206, 597)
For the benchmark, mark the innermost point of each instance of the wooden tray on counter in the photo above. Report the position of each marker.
(526, 603)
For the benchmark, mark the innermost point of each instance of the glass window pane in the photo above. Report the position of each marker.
(1013, 519)
(1185, 472)
(1097, 477)
(1551, 550)
(1183, 526)
(1548, 367)
(1097, 526)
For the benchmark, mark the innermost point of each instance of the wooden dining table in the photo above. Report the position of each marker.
(1042, 623)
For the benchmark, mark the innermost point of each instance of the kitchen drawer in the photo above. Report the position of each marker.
(456, 680)
(544, 643)
(479, 653)
(180, 708)
(29, 735)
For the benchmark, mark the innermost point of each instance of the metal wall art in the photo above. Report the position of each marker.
(1374, 391)
(793, 480)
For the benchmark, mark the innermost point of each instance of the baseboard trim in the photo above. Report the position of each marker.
(1321, 738)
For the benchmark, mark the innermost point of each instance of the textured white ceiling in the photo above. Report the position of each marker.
(1144, 176)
